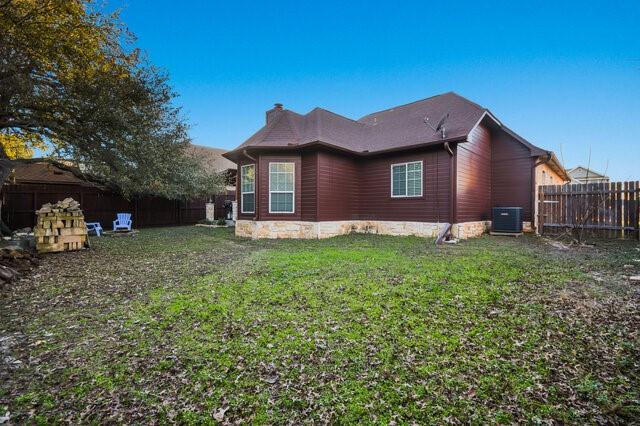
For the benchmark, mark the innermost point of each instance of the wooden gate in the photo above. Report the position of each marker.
(609, 210)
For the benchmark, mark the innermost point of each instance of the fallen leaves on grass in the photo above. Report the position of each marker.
(190, 325)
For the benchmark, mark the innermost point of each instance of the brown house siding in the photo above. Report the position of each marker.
(491, 169)
(473, 200)
(309, 188)
(512, 174)
(376, 202)
(338, 183)
(263, 187)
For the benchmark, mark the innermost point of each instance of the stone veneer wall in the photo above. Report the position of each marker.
(313, 230)
(470, 229)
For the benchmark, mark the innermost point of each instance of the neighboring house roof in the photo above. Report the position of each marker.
(63, 172)
(581, 172)
(211, 158)
(46, 172)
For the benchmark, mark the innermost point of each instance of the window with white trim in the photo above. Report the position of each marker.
(248, 188)
(281, 187)
(406, 179)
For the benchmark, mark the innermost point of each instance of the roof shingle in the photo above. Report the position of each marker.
(394, 128)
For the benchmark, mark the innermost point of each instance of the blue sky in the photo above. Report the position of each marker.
(565, 75)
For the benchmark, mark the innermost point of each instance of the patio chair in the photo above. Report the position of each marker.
(94, 226)
(122, 222)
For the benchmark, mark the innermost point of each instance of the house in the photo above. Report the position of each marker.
(212, 160)
(407, 170)
(582, 174)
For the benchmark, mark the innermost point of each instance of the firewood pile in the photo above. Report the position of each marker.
(14, 261)
(60, 227)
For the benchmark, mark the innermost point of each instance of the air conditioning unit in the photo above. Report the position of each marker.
(507, 220)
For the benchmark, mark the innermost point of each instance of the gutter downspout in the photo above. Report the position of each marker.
(452, 183)
(255, 192)
(446, 231)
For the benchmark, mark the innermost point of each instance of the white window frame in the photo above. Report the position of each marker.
(242, 210)
(406, 180)
(293, 198)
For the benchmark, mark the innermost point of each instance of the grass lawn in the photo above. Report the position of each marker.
(194, 325)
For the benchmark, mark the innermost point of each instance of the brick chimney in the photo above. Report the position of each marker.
(274, 112)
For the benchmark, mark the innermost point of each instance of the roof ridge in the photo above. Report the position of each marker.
(467, 100)
(292, 126)
(207, 147)
(333, 113)
(411, 103)
(318, 126)
(270, 126)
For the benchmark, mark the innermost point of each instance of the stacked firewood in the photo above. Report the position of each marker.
(60, 227)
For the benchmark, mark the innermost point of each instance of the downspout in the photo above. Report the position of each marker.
(445, 233)
(452, 183)
(255, 161)
(448, 148)
(541, 162)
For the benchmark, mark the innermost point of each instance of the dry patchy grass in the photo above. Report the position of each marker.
(193, 325)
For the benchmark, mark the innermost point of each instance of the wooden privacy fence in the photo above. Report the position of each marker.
(20, 201)
(604, 209)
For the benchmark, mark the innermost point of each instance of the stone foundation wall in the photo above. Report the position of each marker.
(313, 230)
(466, 230)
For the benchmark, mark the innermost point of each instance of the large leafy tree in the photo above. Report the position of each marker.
(71, 80)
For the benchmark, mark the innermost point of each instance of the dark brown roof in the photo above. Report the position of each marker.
(397, 128)
(211, 158)
(44, 172)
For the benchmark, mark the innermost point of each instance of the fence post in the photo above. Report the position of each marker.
(636, 220)
(540, 218)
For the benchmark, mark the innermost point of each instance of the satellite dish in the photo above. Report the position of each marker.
(440, 127)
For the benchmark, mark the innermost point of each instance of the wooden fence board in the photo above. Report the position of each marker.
(22, 200)
(603, 209)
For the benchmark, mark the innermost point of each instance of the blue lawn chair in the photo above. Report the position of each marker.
(94, 226)
(122, 222)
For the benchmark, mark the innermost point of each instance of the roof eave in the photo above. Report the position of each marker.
(555, 164)
(237, 154)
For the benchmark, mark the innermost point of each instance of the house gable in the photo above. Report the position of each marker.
(581, 172)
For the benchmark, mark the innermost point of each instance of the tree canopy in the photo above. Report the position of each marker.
(72, 83)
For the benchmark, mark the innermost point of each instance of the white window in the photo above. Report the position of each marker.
(281, 187)
(406, 179)
(248, 188)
